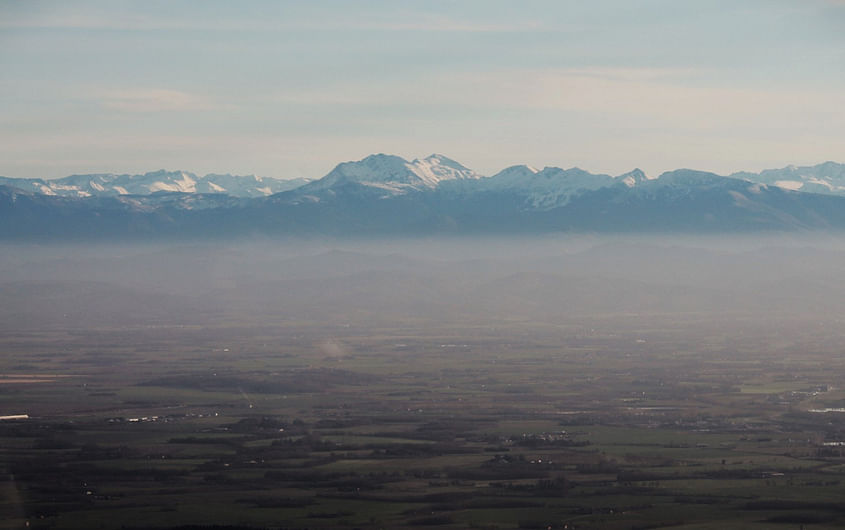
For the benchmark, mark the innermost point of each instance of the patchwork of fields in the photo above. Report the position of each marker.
(638, 422)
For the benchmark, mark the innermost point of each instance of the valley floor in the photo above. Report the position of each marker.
(609, 422)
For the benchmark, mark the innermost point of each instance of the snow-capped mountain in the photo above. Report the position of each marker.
(633, 178)
(552, 187)
(387, 176)
(390, 175)
(390, 196)
(108, 184)
(827, 178)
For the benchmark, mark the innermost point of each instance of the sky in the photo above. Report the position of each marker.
(289, 89)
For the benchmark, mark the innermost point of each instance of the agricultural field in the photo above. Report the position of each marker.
(604, 422)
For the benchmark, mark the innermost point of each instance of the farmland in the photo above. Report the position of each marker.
(608, 422)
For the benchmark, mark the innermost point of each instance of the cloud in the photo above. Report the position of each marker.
(670, 97)
(333, 349)
(139, 19)
(435, 23)
(154, 100)
(58, 19)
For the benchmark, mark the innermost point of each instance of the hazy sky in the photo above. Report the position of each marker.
(289, 89)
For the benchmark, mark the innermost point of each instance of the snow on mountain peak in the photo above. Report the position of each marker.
(826, 178)
(513, 176)
(441, 160)
(633, 178)
(394, 174)
(109, 184)
(548, 188)
(436, 168)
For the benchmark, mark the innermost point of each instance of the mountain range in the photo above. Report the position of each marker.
(383, 195)
(110, 184)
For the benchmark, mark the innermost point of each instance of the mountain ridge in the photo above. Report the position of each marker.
(112, 184)
(386, 195)
(394, 174)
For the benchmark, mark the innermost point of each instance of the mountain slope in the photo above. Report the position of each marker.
(827, 178)
(384, 176)
(385, 195)
(110, 185)
(695, 201)
(547, 188)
